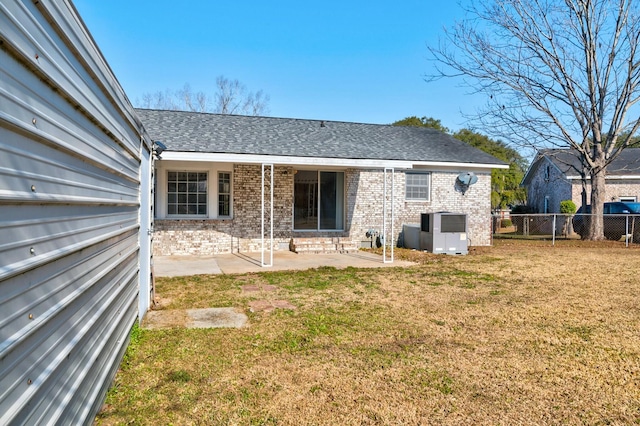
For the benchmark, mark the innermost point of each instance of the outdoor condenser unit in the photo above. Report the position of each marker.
(444, 232)
(411, 236)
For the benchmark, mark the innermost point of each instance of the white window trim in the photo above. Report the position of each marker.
(212, 170)
(344, 204)
(186, 216)
(218, 215)
(417, 200)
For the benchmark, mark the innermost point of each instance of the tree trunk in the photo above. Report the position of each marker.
(598, 188)
(584, 182)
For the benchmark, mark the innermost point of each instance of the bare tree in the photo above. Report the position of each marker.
(158, 100)
(557, 73)
(196, 102)
(231, 97)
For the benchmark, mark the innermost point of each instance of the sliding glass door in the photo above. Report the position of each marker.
(318, 200)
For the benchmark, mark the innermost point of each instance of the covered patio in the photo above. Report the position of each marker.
(240, 263)
(244, 185)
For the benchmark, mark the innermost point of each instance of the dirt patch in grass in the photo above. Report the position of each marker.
(519, 333)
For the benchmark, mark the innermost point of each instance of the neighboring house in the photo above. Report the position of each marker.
(333, 182)
(75, 194)
(555, 175)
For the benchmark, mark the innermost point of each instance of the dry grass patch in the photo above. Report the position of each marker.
(520, 333)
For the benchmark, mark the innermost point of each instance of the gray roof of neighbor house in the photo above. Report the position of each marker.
(235, 134)
(568, 162)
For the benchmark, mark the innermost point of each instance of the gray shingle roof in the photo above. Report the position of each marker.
(567, 160)
(234, 134)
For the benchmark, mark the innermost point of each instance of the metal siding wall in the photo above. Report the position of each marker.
(70, 171)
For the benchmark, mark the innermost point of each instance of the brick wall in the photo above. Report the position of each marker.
(364, 211)
(364, 194)
(615, 189)
(240, 234)
(556, 188)
(553, 186)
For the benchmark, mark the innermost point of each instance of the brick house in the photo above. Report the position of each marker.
(555, 175)
(333, 182)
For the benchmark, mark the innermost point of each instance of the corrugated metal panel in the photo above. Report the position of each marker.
(60, 52)
(72, 156)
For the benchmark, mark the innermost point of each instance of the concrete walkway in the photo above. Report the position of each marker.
(239, 263)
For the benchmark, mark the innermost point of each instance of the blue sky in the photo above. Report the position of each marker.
(361, 61)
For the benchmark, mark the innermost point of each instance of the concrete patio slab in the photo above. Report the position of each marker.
(240, 263)
(195, 318)
(215, 318)
(177, 266)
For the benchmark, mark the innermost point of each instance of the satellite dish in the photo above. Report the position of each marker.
(467, 178)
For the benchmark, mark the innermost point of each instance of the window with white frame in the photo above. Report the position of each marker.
(187, 193)
(224, 194)
(417, 186)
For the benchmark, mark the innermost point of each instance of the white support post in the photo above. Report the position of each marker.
(145, 290)
(626, 232)
(262, 263)
(384, 215)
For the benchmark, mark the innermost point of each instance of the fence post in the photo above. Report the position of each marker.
(494, 228)
(626, 231)
(553, 238)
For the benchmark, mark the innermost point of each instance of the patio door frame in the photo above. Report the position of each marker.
(318, 201)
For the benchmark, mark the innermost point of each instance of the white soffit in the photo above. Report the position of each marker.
(316, 161)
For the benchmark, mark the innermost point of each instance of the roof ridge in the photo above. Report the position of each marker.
(266, 117)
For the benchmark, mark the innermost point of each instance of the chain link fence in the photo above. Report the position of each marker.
(560, 226)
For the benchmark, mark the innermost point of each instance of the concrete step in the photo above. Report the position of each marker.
(323, 245)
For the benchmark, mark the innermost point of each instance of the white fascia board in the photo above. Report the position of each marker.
(425, 164)
(315, 161)
(608, 177)
(282, 160)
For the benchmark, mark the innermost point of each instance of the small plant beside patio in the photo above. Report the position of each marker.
(519, 333)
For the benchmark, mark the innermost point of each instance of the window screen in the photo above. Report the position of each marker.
(224, 194)
(417, 186)
(187, 193)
